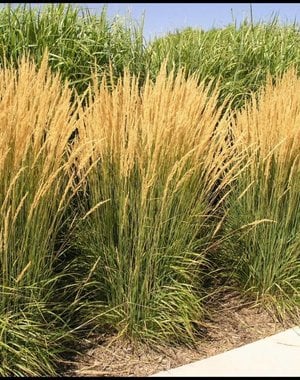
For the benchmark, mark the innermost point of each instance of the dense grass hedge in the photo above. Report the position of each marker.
(239, 56)
(121, 194)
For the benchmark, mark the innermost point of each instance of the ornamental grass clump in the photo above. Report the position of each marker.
(75, 38)
(265, 261)
(35, 189)
(239, 56)
(158, 163)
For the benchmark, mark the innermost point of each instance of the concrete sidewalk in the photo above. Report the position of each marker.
(277, 355)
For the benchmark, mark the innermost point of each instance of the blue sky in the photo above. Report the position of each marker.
(163, 17)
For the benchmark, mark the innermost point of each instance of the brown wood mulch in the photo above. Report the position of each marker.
(232, 324)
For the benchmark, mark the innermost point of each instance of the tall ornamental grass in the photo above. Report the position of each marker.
(265, 260)
(158, 160)
(35, 189)
(239, 56)
(76, 39)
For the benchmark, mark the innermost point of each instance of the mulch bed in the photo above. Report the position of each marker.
(232, 324)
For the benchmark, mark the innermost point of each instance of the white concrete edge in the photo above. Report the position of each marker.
(275, 355)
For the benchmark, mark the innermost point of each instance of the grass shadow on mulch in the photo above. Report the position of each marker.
(231, 323)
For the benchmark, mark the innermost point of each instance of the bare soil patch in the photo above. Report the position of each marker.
(232, 324)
